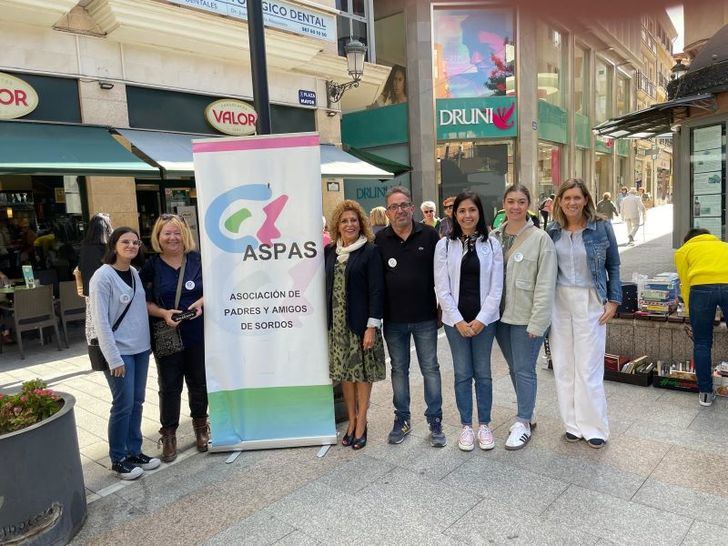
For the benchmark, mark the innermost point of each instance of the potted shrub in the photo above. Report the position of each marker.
(42, 493)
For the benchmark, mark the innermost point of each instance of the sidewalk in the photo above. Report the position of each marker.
(652, 252)
(659, 480)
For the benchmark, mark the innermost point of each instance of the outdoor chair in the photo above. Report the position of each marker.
(72, 307)
(33, 309)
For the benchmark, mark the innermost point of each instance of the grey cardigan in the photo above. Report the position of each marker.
(109, 295)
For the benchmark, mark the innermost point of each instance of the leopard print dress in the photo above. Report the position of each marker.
(347, 360)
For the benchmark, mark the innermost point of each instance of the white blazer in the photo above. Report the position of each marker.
(448, 255)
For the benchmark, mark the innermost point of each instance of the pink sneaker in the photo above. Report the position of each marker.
(485, 437)
(466, 442)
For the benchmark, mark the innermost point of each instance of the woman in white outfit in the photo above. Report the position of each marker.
(588, 292)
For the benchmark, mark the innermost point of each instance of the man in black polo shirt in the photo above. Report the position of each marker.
(410, 309)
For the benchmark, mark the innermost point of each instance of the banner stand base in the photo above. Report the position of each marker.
(233, 457)
(252, 445)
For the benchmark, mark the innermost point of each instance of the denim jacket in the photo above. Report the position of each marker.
(602, 255)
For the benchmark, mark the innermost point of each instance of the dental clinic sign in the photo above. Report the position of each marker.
(276, 14)
(489, 117)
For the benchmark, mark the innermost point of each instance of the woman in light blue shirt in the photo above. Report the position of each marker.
(115, 290)
(588, 292)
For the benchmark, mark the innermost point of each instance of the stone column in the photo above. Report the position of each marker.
(421, 97)
(527, 92)
(115, 195)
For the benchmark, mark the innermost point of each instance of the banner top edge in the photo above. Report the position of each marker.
(257, 142)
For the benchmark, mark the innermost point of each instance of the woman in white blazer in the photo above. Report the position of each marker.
(468, 282)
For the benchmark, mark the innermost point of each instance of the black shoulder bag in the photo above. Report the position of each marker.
(166, 340)
(95, 355)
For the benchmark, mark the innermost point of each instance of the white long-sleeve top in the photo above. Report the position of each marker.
(448, 257)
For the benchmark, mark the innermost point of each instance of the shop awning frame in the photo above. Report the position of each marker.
(172, 152)
(383, 163)
(66, 149)
(657, 120)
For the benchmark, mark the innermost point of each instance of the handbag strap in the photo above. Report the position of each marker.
(133, 293)
(180, 280)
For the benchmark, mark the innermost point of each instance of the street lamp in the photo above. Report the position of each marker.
(355, 52)
(679, 70)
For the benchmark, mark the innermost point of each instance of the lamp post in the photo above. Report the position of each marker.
(258, 66)
(673, 86)
(355, 52)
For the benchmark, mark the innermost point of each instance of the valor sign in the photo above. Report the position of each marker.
(17, 98)
(232, 117)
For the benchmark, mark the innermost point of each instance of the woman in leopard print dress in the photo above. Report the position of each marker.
(355, 297)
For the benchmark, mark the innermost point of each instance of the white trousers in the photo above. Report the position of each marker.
(633, 224)
(577, 352)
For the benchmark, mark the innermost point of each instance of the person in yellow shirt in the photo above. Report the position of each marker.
(702, 265)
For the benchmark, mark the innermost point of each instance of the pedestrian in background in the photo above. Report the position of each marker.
(173, 283)
(702, 265)
(91, 257)
(468, 282)
(546, 209)
(355, 304)
(445, 227)
(429, 214)
(606, 208)
(117, 296)
(632, 210)
(620, 197)
(526, 304)
(410, 312)
(588, 292)
(378, 219)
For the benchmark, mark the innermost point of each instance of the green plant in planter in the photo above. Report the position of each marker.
(32, 404)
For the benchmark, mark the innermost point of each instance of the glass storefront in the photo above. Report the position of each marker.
(603, 175)
(485, 167)
(581, 156)
(622, 103)
(550, 161)
(474, 52)
(581, 81)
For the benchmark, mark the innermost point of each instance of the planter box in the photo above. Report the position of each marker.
(674, 383)
(42, 492)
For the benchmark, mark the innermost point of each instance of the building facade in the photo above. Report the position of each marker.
(122, 86)
(496, 95)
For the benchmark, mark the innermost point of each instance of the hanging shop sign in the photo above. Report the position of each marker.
(276, 14)
(232, 117)
(17, 98)
(489, 117)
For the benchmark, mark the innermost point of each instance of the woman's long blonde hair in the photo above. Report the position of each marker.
(590, 210)
(346, 205)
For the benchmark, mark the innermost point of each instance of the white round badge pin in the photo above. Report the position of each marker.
(189, 285)
(125, 298)
(392, 262)
(518, 257)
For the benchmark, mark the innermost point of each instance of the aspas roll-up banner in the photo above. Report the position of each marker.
(266, 350)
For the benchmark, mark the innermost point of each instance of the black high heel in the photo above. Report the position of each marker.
(359, 443)
(347, 439)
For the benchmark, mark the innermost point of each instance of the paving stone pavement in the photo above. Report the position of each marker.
(659, 480)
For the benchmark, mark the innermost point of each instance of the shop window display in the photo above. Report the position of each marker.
(474, 52)
(551, 60)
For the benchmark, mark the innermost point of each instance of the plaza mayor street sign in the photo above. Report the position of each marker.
(17, 98)
(232, 117)
(477, 117)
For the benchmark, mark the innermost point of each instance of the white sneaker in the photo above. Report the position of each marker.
(706, 398)
(466, 442)
(519, 436)
(485, 437)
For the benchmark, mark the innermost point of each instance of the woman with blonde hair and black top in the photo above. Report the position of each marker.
(529, 261)
(173, 283)
(588, 292)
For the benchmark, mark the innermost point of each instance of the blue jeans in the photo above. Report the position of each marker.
(471, 361)
(521, 353)
(125, 421)
(397, 335)
(704, 299)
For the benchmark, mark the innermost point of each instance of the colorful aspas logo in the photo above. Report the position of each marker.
(243, 221)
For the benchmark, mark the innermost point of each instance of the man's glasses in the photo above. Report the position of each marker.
(402, 206)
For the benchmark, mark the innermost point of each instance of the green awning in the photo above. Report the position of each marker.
(381, 162)
(43, 148)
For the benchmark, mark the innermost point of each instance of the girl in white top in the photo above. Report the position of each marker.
(468, 283)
